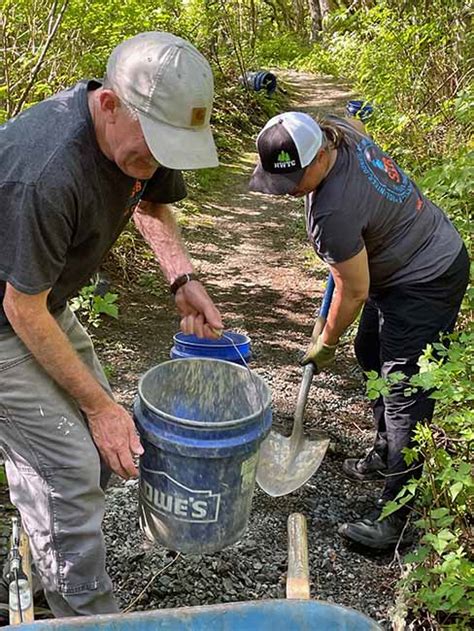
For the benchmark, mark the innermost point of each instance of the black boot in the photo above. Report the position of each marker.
(364, 469)
(380, 535)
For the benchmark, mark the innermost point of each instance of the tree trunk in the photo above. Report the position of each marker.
(316, 26)
(325, 9)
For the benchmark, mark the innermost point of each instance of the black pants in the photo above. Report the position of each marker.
(395, 326)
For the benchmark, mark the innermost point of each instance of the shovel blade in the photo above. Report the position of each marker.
(282, 469)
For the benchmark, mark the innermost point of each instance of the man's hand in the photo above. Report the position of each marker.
(113, 432)
(320, 354)
(199, 314)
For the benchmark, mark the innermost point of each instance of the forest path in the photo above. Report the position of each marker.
(252, 254)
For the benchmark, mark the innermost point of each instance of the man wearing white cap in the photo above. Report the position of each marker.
(73, 170)
(392, 253)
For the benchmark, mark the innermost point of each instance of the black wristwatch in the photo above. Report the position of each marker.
(180, 281)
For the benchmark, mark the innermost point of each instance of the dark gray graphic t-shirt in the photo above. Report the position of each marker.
(63, 203)
(367, 199)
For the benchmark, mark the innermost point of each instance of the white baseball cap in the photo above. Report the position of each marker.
(286, 145)
(170, 85)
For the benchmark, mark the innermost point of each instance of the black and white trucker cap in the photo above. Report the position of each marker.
(286, 146)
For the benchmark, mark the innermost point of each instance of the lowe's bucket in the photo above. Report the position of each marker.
(232, 347)
(201, 422)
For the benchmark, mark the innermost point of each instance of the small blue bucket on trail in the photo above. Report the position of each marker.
(201, 422)
(260, 80)
(231, 347)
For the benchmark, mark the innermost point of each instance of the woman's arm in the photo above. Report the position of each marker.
(352, 282)
(352, 289)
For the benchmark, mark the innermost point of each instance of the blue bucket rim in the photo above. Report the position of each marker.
(206, 342)
(204, 424)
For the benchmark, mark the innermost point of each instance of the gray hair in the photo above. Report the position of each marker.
(131, 111)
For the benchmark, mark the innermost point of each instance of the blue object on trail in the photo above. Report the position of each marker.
(201, 422)
(260, 80)
(360, 109)
(227, 347)
(265, 615)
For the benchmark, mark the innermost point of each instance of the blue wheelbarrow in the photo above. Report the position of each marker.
(297, 613)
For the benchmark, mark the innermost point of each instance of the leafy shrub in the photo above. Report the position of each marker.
(450, 185)
(280, 50)
(91, 306)
(439, 582)
(414, 65)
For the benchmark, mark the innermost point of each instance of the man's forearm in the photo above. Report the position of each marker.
(343, 312)
(49, 345)
(158, 227)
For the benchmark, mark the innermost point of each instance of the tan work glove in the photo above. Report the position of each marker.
(320, 354)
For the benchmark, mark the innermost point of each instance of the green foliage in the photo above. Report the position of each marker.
(450, 186)
(440, 578)
(48, 45)
(109, 370)
(280, 50)
(91, 306)
(414, 64)
(378, 386)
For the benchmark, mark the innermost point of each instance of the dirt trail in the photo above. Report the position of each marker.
(252, 254)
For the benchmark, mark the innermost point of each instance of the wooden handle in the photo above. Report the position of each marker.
(28, 612)
(297, 582)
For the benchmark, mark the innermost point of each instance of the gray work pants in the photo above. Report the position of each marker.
(54, 475)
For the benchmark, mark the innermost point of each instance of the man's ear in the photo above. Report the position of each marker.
(109, 104)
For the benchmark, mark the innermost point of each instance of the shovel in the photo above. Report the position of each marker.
(286, 463)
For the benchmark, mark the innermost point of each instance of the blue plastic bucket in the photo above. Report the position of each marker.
(260, 80)
(201, 422)
(186, 346)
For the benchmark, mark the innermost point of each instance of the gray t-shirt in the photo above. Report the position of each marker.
(366, 199)
(63, 203)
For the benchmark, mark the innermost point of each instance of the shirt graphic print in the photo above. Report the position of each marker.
(383, 172)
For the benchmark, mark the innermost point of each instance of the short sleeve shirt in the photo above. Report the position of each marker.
(63, 203)
(367, 200)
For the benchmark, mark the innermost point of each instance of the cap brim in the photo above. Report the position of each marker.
(274, 183)
(179, 148)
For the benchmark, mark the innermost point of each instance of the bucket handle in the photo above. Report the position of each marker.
(244, 361)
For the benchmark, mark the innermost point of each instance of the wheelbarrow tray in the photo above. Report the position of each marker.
(263, 615)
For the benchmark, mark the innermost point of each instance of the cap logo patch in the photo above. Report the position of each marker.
(198, 116)
(284, 161)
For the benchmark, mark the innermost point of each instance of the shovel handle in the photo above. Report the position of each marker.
(297, 582)
(327, 298)
(324, 309)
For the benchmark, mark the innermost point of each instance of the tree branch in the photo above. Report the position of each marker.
(42, 56)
